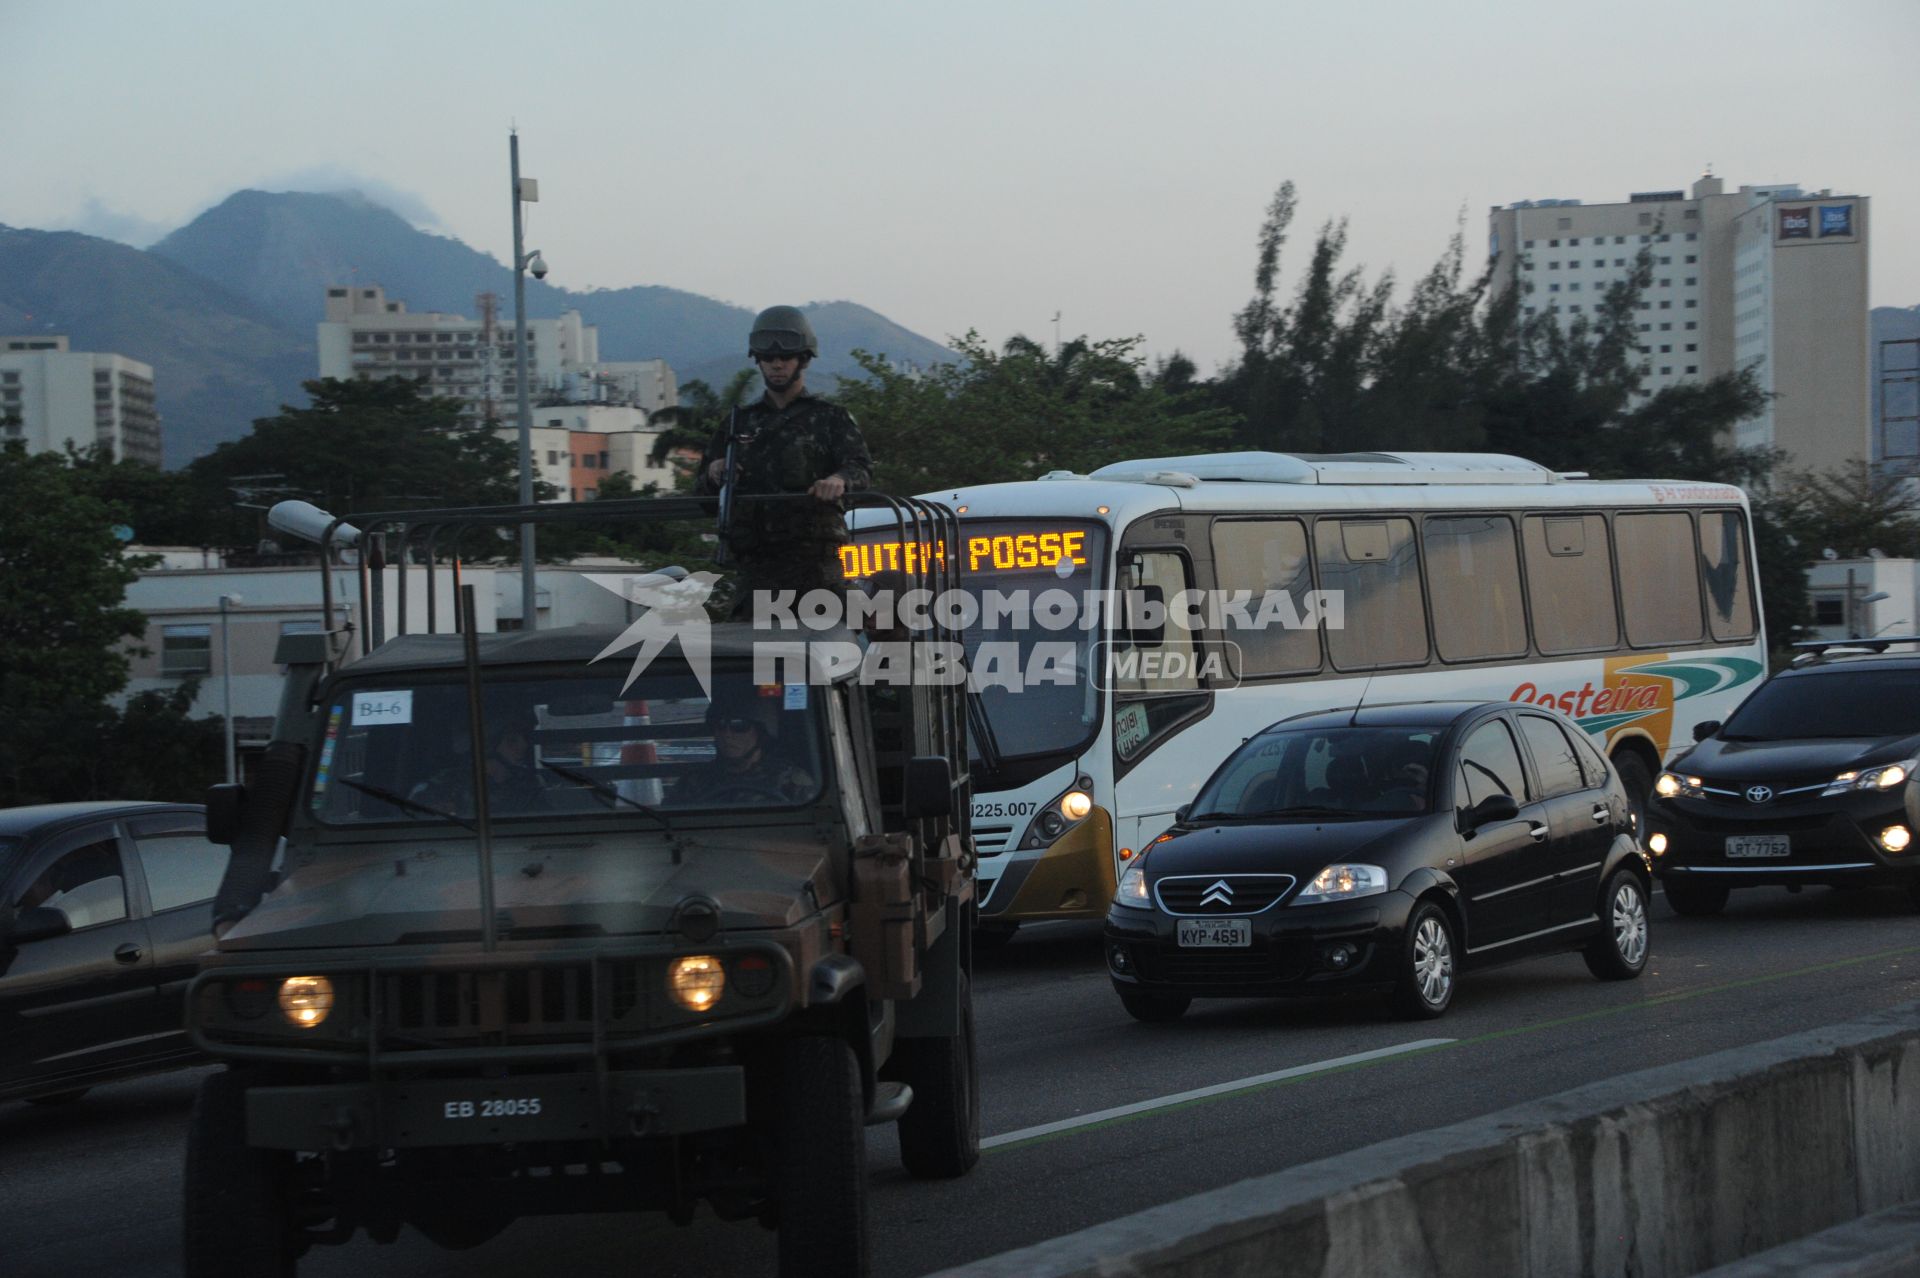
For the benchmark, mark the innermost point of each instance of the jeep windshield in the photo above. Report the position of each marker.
(1852, 703)
(399, 751)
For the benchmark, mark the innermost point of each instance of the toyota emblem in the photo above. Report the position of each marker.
(1759, 793)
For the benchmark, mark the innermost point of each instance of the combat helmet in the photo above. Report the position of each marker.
(782, 330)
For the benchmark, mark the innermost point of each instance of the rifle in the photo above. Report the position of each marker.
(726, 488)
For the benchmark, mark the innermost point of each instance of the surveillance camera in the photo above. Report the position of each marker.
(309, 523)
(538, 265)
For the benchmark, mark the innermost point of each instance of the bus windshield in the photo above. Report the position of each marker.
(1033, 619)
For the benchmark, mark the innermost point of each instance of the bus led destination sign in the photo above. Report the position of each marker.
(1059, 552)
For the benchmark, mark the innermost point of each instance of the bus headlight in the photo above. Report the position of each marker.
(306, 1000)
(1062, 814)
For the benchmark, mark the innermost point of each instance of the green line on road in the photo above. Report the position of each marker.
(1660, 1000)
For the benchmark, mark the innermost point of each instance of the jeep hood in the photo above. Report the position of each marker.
(421, 892)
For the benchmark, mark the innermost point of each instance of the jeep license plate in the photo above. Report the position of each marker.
(1203, 933)
(1747, 847)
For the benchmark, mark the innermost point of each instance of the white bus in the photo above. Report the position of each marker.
(1629, 605)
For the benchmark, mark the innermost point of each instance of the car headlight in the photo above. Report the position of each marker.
(306, 1000)
(1133, 888)
(1341, 882)
(1884, 777)
(1676, 785)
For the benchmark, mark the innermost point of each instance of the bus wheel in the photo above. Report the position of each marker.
(820, 1181)
(1639, 784)
(991, 938)
(940, 1132)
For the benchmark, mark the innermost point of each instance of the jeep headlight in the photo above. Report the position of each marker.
(1340, 882)
(306, 1000)
(1133, 888)
(1676, 785)
(695, 981)
(1884, 777)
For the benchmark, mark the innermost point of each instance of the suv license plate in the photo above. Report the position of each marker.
(1232, 933)
(1751, 846)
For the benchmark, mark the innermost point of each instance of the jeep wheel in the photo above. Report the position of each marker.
(1619, 953)
(940, 1132)
(1694, 898)
(820, 1182)
(238, 1222)
(1144, 1005)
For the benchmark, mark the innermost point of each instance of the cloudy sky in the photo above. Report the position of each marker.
(980, 164)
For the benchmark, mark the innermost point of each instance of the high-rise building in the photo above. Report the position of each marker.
(1771, 278)
(63, 396)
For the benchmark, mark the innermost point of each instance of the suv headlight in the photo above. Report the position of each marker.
(1677, 785)
(1341, 882)
(1884, 777)
(1133, 888)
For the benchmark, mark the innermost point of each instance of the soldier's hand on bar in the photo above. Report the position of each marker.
(832, 488)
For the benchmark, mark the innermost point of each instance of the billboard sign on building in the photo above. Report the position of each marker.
(1796, 223)
(1817, 223)
(1836, 220)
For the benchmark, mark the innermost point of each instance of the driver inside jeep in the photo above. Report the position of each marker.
(745, 768)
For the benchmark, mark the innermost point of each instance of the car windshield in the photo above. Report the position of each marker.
(400, 752)
(1853, 703)
(7, 846)
(1323, 773)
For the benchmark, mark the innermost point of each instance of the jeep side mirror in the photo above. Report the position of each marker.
(1701, 731)
(42, 922)
(224, 803)
(929, 788)
(1495, 807)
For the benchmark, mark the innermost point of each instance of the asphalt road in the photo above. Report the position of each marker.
(93, 1189)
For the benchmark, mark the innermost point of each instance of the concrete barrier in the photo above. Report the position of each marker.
(1661, 1173)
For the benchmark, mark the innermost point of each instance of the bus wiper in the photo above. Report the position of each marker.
(982, 726)
(606, 791)
(405, 804)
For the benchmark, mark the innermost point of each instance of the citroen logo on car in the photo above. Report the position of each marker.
(1759, 793)
(1221, 893)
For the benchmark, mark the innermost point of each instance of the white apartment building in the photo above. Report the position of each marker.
(1772, 278)
(63, 396)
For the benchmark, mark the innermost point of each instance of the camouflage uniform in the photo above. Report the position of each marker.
(789, 545)
(751, 787)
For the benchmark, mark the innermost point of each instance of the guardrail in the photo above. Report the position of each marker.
(1661, 1173)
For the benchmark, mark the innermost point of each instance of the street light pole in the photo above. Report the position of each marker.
(226, 683)
(527, 593)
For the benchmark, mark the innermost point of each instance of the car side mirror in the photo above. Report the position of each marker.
(1701, 731)
(929, 787)
(1495, 807)
(1180, 813)
(224, 803)
(41, 923)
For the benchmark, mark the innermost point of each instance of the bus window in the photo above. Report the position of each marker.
(1659, 582)
(1723, 567)
(1473, 570)
(1263, 556)
(1570, 583)
(1162, 659)
(1373, 564)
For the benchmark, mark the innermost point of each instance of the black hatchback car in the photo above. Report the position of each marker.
(1810, 781)
(104, 908)
(1384, 849)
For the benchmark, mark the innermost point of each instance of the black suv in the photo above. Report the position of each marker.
(1810, 781)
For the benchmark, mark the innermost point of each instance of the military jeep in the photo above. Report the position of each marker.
(511, 929)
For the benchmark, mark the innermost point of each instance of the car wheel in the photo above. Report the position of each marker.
(1619, 953)
(1427, 964)
(820, 1181)
(239, 1220)
(1638, 783)
(1144, 1005)
(59, 1098)
(940, 1132)
(1694, 898)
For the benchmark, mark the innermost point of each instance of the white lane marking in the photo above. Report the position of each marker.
(1217, 1089)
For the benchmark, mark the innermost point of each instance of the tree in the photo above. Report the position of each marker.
(366, 446)
(1852, 511)
(1021, 411)
(63, 622)
(697, 418)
